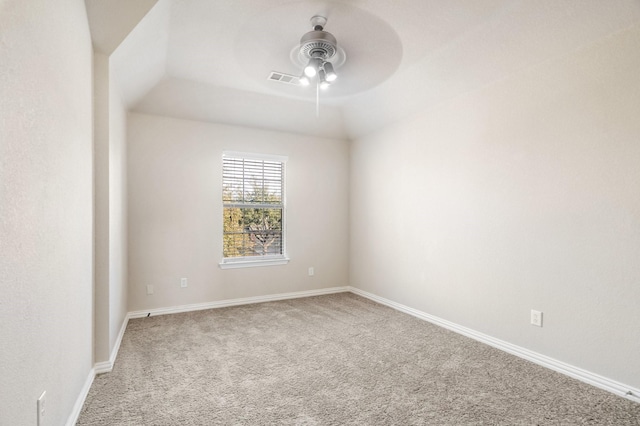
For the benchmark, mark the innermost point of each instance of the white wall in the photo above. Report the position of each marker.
(522, 195)
(110, 209)
(175, 212)
(118, 305)
(46, 267)
(101, 205)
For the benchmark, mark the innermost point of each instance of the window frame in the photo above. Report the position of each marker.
(263, 260)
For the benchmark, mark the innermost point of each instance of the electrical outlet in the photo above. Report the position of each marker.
(149, 289)
(536, 318)
(311, 271)
(41, 408)
(183, 282)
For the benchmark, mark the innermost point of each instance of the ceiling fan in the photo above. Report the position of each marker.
(318, 50)
(319, 47)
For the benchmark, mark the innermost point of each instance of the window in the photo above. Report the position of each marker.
(253, 210)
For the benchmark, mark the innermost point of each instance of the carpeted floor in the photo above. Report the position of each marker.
(330, 360)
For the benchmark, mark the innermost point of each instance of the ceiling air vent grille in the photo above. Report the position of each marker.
(284, 78)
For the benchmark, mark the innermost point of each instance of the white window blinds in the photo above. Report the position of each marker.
(253, 207)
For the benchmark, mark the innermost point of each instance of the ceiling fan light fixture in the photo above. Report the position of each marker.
(330, 74)
(322, 80)
(304, 80)
(312, 67)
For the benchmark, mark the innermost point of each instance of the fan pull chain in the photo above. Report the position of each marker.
(317, 99)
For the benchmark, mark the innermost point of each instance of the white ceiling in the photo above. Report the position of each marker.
(209, 59)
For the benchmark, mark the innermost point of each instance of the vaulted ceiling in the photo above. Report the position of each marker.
(210, 60)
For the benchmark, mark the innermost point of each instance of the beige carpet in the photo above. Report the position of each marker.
(330, 360)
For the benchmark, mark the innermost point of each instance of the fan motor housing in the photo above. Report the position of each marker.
(318, 43)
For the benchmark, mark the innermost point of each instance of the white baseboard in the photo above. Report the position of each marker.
(107, 366)
(98, 368)
(236, 302)
(577, 373)
(103, 367)
(77, 407)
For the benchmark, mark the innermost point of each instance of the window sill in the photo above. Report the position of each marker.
(235, 264)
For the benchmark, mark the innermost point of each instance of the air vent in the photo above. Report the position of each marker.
(284, 78)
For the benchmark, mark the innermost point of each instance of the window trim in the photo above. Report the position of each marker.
(269, 260)
(242, 262)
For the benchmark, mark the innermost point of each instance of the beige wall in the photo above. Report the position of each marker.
(522, 195)
(46, 252)
(175, 212)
